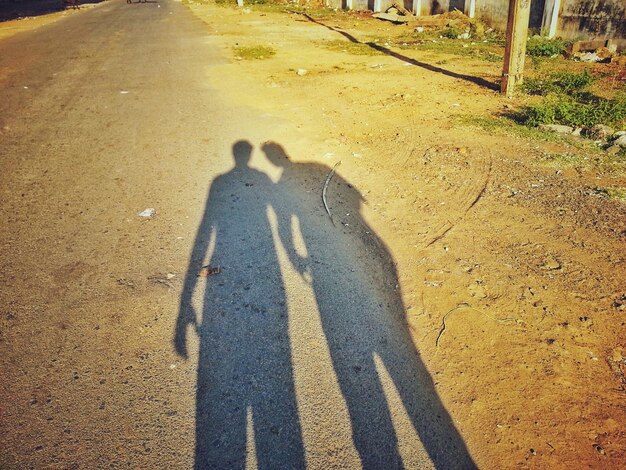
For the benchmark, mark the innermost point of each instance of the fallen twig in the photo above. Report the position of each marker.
(330, 175)
(443, 320)
(466, 305)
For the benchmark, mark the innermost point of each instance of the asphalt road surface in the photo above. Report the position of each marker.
(117, 350)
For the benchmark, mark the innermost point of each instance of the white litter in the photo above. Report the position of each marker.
(147, 213)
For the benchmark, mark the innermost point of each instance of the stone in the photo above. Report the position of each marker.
(613, 149)
(551, 264)
(599, 132)
(558, 128)
(621, 141)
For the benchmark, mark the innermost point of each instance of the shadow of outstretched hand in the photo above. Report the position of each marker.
(186, 318)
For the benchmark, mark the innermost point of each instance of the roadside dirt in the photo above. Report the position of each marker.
(513, 271)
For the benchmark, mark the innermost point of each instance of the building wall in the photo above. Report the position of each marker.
(593, 18)
(584, 19)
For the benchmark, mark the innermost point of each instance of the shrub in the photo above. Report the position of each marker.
(563, 109)
(560, 82)
(539, 46)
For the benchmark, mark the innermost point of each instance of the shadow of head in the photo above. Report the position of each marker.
(275, 153)
(242, 152)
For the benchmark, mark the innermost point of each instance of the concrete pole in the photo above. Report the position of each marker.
(554, 22)
(515, 51)
(472, 9)
(417, 7)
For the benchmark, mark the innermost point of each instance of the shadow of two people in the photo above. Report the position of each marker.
(245, 383)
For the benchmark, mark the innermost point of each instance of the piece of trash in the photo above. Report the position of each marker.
(25, 88)
(123, 92)
(207, 271)
(357, 155)
(301, 72)
(147, 213)
(328, 155)
(170, 275)
(419, 29)
(456, 104)
(162, 280)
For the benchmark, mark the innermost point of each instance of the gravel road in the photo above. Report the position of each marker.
(114, 351)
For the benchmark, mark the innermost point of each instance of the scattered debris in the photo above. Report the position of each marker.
(598, 132)
(551, 264)
(162, 280)
(621, 141)
(396, 13)
(126, 283)
(207, 271)
(558, 128)
(147, 213)
(330, 175)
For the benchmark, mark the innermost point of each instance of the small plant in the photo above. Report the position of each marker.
(560, 82)
(539, 46)
(254, 52)
(564, 109)
(354, 48)
(617, 194)
(451, 33)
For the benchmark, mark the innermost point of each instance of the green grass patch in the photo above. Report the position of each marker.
(349, 47)
(463, 48)
(558, 82)
(504, 125)
(565, 109)
(617, 194)
(598, 160)
(540, 46)
(254, 52)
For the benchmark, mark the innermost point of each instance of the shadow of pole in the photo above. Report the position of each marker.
(469, 78)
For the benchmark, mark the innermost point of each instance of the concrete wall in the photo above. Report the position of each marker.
(593, 18)
(578, 19)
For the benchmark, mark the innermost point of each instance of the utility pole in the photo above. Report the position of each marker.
(515, 51)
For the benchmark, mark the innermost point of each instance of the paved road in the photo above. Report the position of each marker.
(114, 352)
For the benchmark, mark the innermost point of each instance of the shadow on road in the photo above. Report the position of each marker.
(468, 78)
(245, 374)
(11, 10)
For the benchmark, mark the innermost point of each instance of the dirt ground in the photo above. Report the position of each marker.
(512, 263)
(513, 271)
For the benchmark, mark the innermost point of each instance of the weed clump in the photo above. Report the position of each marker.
(587, 112)
(540, 46)
(559, 82)
(254, 52)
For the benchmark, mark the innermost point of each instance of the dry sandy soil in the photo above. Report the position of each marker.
(522, 260)
(513, 270)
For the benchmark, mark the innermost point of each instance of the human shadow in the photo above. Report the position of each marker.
(432, 68)
(245, 387)
(360, 304)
